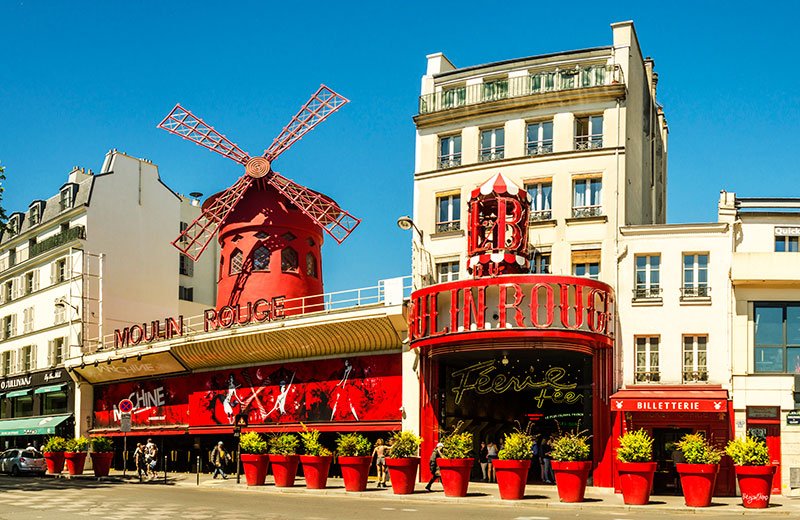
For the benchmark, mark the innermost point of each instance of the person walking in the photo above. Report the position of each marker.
(491, 454)
(434, 465)
(219, 458)
(380, 461)
(545, 449)
(483, 459)
(139, 461)
(151, 458)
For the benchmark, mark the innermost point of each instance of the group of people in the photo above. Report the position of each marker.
(146, 458)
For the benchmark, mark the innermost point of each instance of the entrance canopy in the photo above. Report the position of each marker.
(31, 425)
(714, 399)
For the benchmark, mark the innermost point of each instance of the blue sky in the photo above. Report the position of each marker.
(78, 78)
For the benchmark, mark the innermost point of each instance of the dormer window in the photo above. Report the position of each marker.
(35, 213)
(14, 223)
(67, 196)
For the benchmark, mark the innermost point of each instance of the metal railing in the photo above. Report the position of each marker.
(491, 154)
(587, 212)
(533, 148)
(588, 142)
(73, 233)
(449, 161)
(538, 216)
(296, 308)
(647, 293)
(696, 291)
(444, 227)
(542, 82)
(652, 376)
(694, 376)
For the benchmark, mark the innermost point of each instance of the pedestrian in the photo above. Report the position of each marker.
(483, 459)
(491, 454)
(151, 458)
(434, 465)
(139, 461)
(536, 460)
(380, 461)
(547, 475)
(219, 458)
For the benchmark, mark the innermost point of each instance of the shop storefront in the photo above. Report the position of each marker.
(34, 406)
(667, 414)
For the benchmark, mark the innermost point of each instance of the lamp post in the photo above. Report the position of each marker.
(406, 223)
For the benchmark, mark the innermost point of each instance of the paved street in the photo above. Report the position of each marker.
(116, 499)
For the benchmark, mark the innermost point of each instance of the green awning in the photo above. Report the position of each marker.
(31, 425)
(48, 389)
(18, 393)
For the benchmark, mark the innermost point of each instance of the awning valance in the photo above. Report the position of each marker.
(670, 400)
(18, 393)
(48, 389)
(31, 425)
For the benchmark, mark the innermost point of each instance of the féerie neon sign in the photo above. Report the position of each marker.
(481, 378)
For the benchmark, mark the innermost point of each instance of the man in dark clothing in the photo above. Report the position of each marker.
(434, 464)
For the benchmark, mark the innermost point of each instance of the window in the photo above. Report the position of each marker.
(454, 97)
(695, 276)
(588, 132)
(13, 224)
(784, 244)
(183, 226)
(541, 194)
(9, 326)
(12, 257)
(60, 313)
(235, 263)
(647, 359)
(54, 402)
(289, 262)
(29, 282)
(27, 320)
(540, 263)
(494, 90)
(35, 214)
(593, 76)
(450, 151)
(492, 144)
(185, 265)
(23, 406)
(186, 293)
(586, 263)
(543, 82)
(311, 265)
(65, 199)
(694, 359)
(28, 358)
(7, 363)
(447, 271)
(448, 212)
(261, 256)
(587, 198)
(777, 337)
(59, 270)
(8, 291)
(647, 277)
(539, 138)
(57, 352)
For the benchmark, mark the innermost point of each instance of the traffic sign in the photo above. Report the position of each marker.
(125, 422)
(241, 420)
(125, 406)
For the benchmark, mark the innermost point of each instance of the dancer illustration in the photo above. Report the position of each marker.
(342, 391)
(231, 400)
(280, 401)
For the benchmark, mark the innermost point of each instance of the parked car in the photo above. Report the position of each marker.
(18, 461)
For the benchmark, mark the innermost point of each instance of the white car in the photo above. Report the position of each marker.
(18, 461)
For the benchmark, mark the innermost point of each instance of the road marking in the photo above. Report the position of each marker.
(388, 509)
(532, 518)
(409, 510)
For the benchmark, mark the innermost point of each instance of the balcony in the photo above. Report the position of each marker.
(541, 215)
(538, 83)
(587, 212)
(533, 149)
(653, 376)
(444, 227)
(449, 161)
(695, 376)
(491, 154)
(647, 293)
(696, 292)
(588, 142)
(65, 237)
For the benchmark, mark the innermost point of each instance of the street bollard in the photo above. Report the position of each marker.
(198, 470)
(165, 469)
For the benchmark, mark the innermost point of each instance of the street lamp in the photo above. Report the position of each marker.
(61, 302)
(405, 223)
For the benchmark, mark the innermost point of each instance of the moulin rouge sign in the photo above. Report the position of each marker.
(543, 302)
(259, 311)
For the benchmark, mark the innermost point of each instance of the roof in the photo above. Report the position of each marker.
(521, 60)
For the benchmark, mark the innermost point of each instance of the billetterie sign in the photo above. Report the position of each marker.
(259, 311)
(543, 302)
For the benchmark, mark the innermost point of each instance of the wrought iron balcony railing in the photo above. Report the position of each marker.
(539, 147)
(647, 293)
(444, 227)
(588, 142)
(538, 216)
(587, 211)
(694, 376)
(73, 233)
(491, 154)
(533, 84)
(449, 161)
(697, 291)
(653, 376)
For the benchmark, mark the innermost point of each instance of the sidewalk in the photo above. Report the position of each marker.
(537, 496)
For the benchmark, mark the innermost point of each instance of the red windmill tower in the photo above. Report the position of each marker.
(270, 228)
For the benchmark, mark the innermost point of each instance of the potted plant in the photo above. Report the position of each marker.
(403, 461)
(76, 455)
(254, 458)
(102, 454)
(354, 458)
(699, 473)
(636, 467)
(316, 461)
(53, 451)
(570, 452)
(753, 470)
(284, 459)
(455, 464)
(513, 463)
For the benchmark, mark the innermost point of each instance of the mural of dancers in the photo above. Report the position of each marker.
(280, 401)
(341, 392)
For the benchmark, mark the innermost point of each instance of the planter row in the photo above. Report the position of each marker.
(101, 462)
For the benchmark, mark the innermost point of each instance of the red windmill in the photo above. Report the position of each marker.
(270, 228)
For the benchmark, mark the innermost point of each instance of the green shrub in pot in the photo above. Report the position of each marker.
(635, 446)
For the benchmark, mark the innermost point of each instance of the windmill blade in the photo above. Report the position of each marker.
(322, 104)
(337, 222)
(195, 238)
(183, 123)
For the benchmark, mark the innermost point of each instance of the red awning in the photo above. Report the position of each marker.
(139, 432)
(713, 399)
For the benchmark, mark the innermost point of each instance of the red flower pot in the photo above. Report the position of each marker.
(315, 469)
(101, 462)
(55, 461)
(512, 475)
(403, 474)
(571, 477)
(455, 476)
(755, 483)
(355, 471)
(255, 468)
(697, 481)
(75, 461)
(284, 469)
(636, 481)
